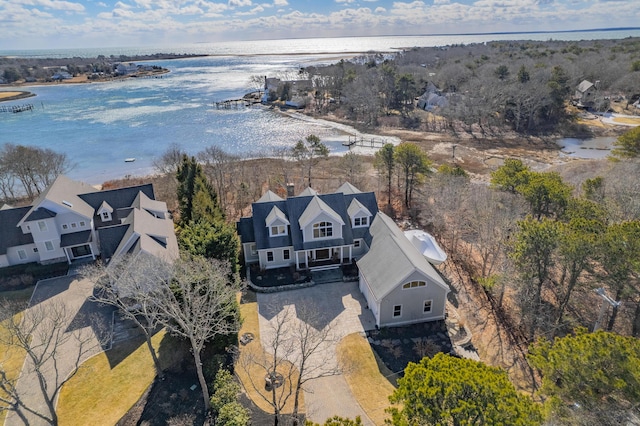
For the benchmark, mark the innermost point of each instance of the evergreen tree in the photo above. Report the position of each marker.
(445, 391)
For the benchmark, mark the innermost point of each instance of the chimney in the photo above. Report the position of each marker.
(291, 190)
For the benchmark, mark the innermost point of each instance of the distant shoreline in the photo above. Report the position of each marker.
(14, 95)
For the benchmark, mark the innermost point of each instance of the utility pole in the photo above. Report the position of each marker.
(603, 308)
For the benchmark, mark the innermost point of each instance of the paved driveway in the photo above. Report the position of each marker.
(82, 322)
(338, 308)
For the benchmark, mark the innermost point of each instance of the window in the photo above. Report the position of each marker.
(286, 254)
(322, 230)
(65, 226)
(427, 306)
(82, 223)
(356, 244)
(42, 225)
(35, 249)
(48, 245)
(269, 256)
(397, 311)
(361, 221)
(414, 284)
(106, 215)
(74, 225)
(28, 228)
(278, 230)
(253, 250)
(22, 254)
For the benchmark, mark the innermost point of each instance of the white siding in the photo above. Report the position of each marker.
(278, 258)
(307, 231)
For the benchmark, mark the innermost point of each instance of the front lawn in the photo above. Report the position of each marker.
(368, 385)
(11, 359)
(102, 393)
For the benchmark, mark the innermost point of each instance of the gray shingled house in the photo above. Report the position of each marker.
(399, 284)
(314, 231)
(71, 220)
(309, 230)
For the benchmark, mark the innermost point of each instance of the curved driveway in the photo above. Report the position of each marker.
(339, 306)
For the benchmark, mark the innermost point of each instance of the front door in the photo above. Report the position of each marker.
(323, 254)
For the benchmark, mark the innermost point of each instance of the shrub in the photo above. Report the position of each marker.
(233, 414)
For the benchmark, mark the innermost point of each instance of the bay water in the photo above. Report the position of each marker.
(99, 125)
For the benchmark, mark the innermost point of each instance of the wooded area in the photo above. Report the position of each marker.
(483, 88)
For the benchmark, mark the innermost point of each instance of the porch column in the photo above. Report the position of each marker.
(66, 253)
(306, 259)
(350, 253)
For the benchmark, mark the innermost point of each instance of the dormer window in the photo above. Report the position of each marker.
(277, 222)
(277, 230)
(323, 230)
(360, 221)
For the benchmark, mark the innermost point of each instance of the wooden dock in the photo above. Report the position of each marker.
(361, 141)
(16, 108)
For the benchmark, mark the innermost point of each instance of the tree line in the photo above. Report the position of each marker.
(488, 87)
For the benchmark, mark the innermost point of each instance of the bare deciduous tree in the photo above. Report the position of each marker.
(299, 349)
(124, 284)
(198, 303)
(55, 342)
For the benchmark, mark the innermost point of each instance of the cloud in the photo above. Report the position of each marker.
(280, 3)
(438, 2)
(345, 1)
(55, 5)
(240, 3)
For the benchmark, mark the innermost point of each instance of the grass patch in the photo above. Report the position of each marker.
(370, 388)
(99, 393)
(11, 358)
(626, 120)
(250, 324)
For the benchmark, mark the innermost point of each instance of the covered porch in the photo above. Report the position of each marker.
(78, 246)
(324, 257)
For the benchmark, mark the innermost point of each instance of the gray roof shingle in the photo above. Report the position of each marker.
(10, 233)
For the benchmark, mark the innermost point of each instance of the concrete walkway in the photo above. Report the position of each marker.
(83, 322)
(338, 307)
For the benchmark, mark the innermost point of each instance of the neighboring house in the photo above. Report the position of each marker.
(126, 68)
(71, 220)
(313, 231)
(585, 93)
(62, 75)
(296, 102)
(309, 230)
(428, 101)
(399, 284)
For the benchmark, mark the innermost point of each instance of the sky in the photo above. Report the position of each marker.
(39, 24)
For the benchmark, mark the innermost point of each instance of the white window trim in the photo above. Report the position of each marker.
(82, 224)
(272, 256)
(313, 229)
(430, 301)
(74, 225)
(419, 283)
(47, 247)
(42, 226)
(22, 254)
(361, 218)
(393, 312)
(356, 244)
(65, 226)
(253, 249)
(105, 215)
(286, 254)
(278, 233)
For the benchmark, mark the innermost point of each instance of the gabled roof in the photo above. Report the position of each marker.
(253, 229)
(63, 195)
(269, 196)
(315, 207)
(105, 207)
(392, 258)
(356, 207)
(308, 192)
(10, 233)
(155, 207)
(276, 214)
(347, 188)
(117, 198)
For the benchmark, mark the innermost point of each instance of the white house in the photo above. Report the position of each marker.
(71, 220)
